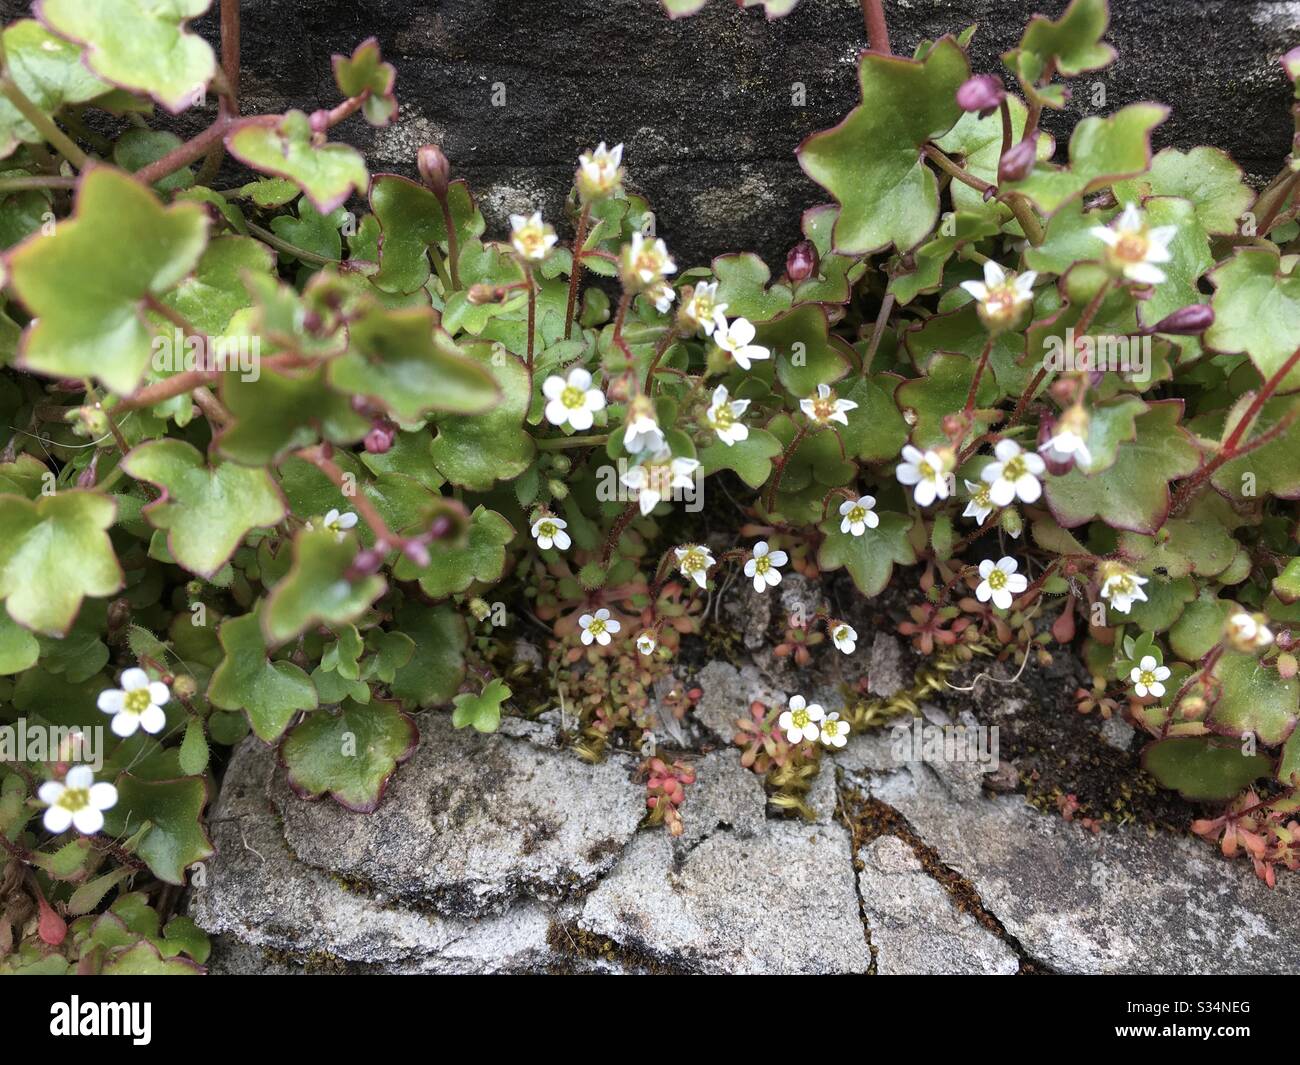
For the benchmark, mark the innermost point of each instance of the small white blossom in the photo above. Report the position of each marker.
(137, 704)
(532, 238)
(1000, 582)
(645, 643)
(572, 401)
(646, 262)
(695, 561)
(858, 515)
(927, 471)
(338, 522)
(723, 416)
(980, 505)
(658, 478)
(1147, 676)
(76, 802)
(702, 311)
(1015, 473)
(643, 432)
(1067, 445)
(1133, 248)
(764, 567)
(801, 720)
(601, 171)
(737, 339)
(549, 532)
(598, 627)
(1001, 296)
(845, 638)
(1122, 587)
(1248, 633)
(835, 731)
(825, 407)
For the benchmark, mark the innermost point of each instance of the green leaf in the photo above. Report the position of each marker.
(142, 47)
(438, 665)
(1253, 698)
(1190, 259)
(327, 173)
(941, 391)
(279, 413)
(477, 451)
(365, 72)
(193, 753)
(206, 511)
(869, 558)
(1288, 765)
(805, 352)
(743, 285)
(316, 590)
(1200, 628)
(19, 649)
(175, 839)
(209, 297)
(1203, 769)
(977, 142)
(1134, 493)
(137, 148)
(1272, 468)
(876, 430)
(405, 361)
(1206, 176)
(350, 754)
(1257, 311)
(312, 231)
(269, 693)
(682, 8)
(750, 458)
(53, 553)
(871, 162)
(452, 569)
(1286, 585)
(86, 295)
(1071, 45)
(1102, 150)
(483, 711)
(49, 72)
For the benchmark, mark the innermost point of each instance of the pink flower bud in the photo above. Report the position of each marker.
(983, 93)
(1191, 320)
(1018, 160)
(367, 562)
(380, 438)
(801, 263)
(416, 552)
(435, 170)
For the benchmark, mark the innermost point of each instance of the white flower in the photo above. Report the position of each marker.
(703, 310)
(662, 296)
(1133, 248)
(1146, 677)
(800, 721)
(645, 643)
(858, 515)
(1015, 473)
(1067, 445)
(137, 704)
(1000, 582)
(657, 478)
(737, 339)
(695, 561)
(598, 627)
(764, 567)
(338, 523)
(824, 407)
(549, 532)
(1122, 587)
(835, 732)
(1247, 632)
(980, 505)
(643, 432)
(1002, 297)
(928, 471)
(600, 172)
(845, 638)
(724, 414)
(646, 262)
(531, 237)
(77, 802)
(573, 401)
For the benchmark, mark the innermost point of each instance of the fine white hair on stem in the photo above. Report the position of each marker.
(989, 676)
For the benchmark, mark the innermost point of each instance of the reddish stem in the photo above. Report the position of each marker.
(873, 13)
(575, 271)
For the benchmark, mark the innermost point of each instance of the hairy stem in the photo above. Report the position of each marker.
(878, 332)
(575, 270)
(43, 181)
(282, 245)
(384, 536)
(564, 443)
(44, 124)
(616, 533)
(873, 14)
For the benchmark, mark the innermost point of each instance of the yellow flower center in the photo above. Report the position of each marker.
(547, 529)
(723, 418)
(800, 718)
(762, 564)
(1002, 303)
(573, 398)
(532, 242)
(857, 514)
(925, 470)
(1132, 247)
(75, 799)
(693, 560)
(823, 408)
(137, 701)
(1014, 469)
(997, 580)
(981, 496)
(596, 627)
(841, 633)
(831, 728)
(1146, 677)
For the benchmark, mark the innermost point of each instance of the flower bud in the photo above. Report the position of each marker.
(367, 562)
(1011, 522)
(479, 608)
(983, 93)
(380, 438)
(481, 294)
(1018, 160)
(416, 552)
(434, 169)
(1193, 708)
(1188, 321)
(558, 489)
(801, 263)
(184, 686)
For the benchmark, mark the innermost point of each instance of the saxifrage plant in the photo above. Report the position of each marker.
(292, 468)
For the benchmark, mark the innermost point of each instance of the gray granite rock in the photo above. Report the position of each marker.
(726, 693)
(915, 927)
(1124, 901)
(725, 797)
(780, 902)
(888, 673)
(473, 822)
